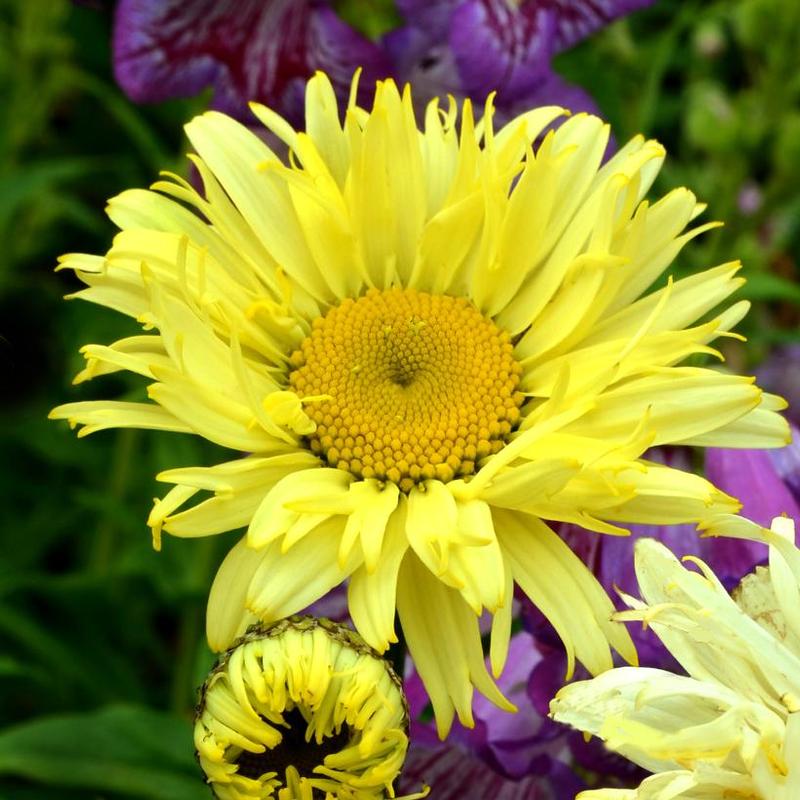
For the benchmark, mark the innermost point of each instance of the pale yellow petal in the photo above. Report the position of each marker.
(371, 593)
(681, 403)
(227, 617)
(324, 127)
(443, 639)
(98, 415)
(431, 524)
(236, 155)
(305, 492)
(217, 417)
(562, 587)
(759, 428)
(663, 495)
(501, 624)
(239, 488)
(689, 299)
(134, 353)
(372, 505)
(287, 581)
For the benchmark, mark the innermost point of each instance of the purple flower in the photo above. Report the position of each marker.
(454, 774)
(497, 46)
(472, 47)
(780, 374)
(261, 50)
(750, 198)
(767, 482)
(520, 756)
(332, 605)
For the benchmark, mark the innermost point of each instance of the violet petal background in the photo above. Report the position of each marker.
(504, 752)
(454, 774)
(780, 373)
(554, 90)
(332, 605)
(432, 16)
(578, 19)
(751, 476)
(246, 49)
(471, 47)
(497, 47)
(786, 462)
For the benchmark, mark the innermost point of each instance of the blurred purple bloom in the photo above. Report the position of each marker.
(518, 756)
(498, 46)
(780, 374)
(578, 19)
(750, 198)
(472, 47)
(332, 605)
(454, 774)
(786, 462)
(261, 50)
(265, 50)
(766, 481)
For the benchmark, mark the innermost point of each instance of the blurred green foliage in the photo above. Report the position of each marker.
(102, 638)
(90, 616)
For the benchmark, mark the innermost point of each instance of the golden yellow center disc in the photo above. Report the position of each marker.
(421, 386)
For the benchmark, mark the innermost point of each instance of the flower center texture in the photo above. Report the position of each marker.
(293, 750)
(414, 386)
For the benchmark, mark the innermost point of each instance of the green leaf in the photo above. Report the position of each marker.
(37, 793)
(25, 183)
(11, 667)
(768, 286)
(126, 749)
(136, 130)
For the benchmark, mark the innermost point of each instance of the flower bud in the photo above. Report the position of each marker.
(301, 709)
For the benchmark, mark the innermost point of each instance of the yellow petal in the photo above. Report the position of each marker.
(227, 617)
(443, 639)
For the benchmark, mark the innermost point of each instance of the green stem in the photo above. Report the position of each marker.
(103, 547)
(190, 631)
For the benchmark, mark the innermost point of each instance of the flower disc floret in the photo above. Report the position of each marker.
(413, 386)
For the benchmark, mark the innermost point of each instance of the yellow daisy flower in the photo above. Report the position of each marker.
(731, 728)
(302, 709)
(426, 343)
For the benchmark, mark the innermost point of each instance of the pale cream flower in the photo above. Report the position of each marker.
(731, 728)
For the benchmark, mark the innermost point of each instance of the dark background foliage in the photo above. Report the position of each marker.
(101, 638)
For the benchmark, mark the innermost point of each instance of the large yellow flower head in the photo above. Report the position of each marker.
(731, 727)
(425, 343)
